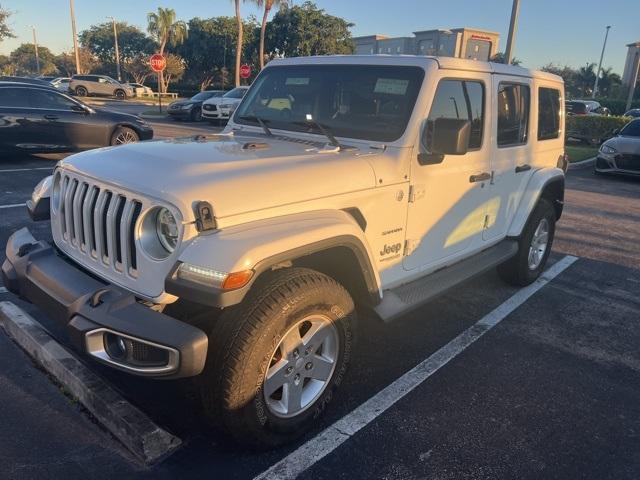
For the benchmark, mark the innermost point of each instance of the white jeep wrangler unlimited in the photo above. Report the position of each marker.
(341, 185)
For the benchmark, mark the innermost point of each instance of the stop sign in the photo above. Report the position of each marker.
(157, 62)
(245, 71)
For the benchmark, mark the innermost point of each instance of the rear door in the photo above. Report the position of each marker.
(14, 118)
(512, 152)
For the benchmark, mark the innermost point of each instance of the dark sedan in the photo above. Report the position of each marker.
(39, 119)
(191, 109)
(621, 154)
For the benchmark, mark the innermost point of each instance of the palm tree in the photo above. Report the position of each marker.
(239, 44)
(164, 28)
(585, 77)
(268, 5)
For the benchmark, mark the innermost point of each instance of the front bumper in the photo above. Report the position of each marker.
(179, 112)
(94, 312)
(617, 164)
(145, 132)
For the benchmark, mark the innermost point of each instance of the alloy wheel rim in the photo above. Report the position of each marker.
(301, 366)
(539, 244)
(125, 137)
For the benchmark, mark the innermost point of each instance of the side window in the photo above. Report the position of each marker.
(102, 80)
(460, 99)
(14, 97)
(50, 100)
(548, 113)
(513, 114)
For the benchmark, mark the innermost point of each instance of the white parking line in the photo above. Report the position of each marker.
(13, 205)
(332, 437)
(9, 170)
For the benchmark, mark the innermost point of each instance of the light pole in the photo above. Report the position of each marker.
(604, 45)
(35, 47)
(75, 37)
(513, 27)
(115, 36)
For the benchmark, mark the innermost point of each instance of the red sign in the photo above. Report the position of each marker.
(245, 71)
(157, 62)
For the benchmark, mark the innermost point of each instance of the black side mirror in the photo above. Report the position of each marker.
(445, 136)
(79, 109)
(615, 131)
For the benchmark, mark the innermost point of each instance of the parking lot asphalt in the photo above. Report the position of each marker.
(553, 391)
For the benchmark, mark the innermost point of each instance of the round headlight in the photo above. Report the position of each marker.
(167, 229)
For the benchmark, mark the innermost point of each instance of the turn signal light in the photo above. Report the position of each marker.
(237, 280)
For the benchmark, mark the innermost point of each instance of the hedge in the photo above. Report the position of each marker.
(594, 128)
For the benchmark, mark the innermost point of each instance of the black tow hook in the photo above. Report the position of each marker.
(96, 298)
(26, 248)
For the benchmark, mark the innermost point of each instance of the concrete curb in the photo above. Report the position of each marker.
(583, 163)
(147, 441)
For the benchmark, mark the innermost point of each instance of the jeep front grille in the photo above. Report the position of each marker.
(99, 224)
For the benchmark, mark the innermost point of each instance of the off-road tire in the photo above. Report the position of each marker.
(241, 345)
(516, 271)
(81, 91)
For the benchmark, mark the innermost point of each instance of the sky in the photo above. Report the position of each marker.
(564, 32)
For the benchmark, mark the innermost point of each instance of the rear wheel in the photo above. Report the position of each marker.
(81, 92)
(124, 135)
(120, 94)
(534, 247)
(276, 359)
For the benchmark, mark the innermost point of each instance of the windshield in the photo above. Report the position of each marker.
(632, 129)
(577, 108)
(354, 101)
(235, 93)
(202, 96)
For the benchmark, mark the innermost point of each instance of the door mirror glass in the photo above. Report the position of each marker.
(447, 136)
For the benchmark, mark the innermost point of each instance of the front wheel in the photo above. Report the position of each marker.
(81, 92)
(534, 247)
(276, 359)
(196, 115)
(124, 135)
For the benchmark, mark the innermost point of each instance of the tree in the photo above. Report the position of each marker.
(99, 40)
(24, 60)
(499, 58)
(165, 29)
(609, 83)
(585, 77)
(174, 70)
(5, 30)
(238, 42)
(268, 5)
(66, 62)
(138, 67)
(306, 30)
(6, 67)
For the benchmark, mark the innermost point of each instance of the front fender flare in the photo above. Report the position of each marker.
(537, 184)
(262, 244)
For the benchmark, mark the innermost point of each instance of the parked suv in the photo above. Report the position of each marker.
(341, 184)
(84, 85)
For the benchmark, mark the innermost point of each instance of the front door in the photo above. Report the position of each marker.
(449, 194)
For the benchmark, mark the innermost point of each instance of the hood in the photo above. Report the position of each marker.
(625, 145)
(236, 174)
(120, 115)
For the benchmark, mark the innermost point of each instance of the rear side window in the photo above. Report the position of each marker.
(460, 99)
(513, 114)
(14, 97)
(49, 100)
(548, 113)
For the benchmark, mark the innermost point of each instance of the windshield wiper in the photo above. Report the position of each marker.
(323, 129)
(259, 121)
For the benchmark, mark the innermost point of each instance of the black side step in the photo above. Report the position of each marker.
(400, 300)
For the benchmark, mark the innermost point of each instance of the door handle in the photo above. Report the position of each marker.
(481, 177)
(51, 117)
(523, 168)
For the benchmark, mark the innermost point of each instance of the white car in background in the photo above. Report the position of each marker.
(220, 108)
(140, 90)
(61, 83)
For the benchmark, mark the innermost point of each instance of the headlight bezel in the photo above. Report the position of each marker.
(607, 149)
(150, 238)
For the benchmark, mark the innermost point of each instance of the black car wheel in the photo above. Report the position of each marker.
(120, 95)
(196, 115)
(81, 92)
(124, 135)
